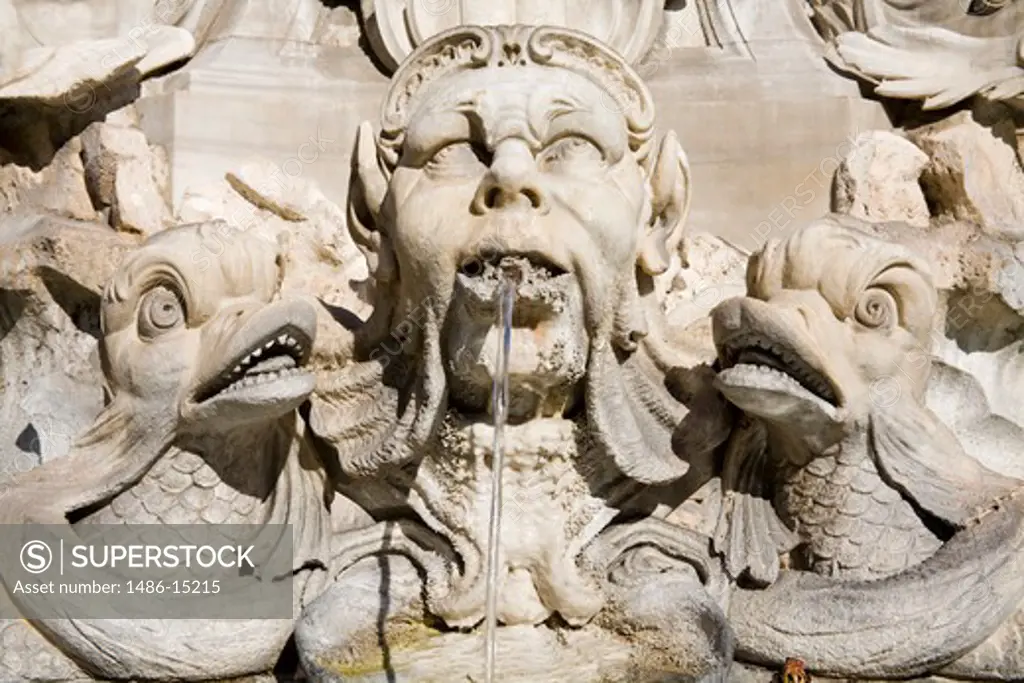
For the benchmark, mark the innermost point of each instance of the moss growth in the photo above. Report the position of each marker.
(400, 636)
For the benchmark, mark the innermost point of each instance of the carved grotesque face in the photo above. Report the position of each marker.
(520, 172)
(836, 324)
(502, 159)
(211, 345)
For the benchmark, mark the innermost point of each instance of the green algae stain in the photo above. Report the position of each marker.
(401, 636)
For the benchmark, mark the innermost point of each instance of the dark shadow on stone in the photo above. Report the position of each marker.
(287, 669)
(12, 305)
(364, 43)
(366, 46)
(382, 615)
(901, 113)
(167, 68)
(364, 289)
(984, 8)
(28, 441)
(344, 317)
(971, 312)
(32, 132)
(81, 304)
(999, 119)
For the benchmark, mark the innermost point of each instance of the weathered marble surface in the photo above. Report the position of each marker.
(722, 457)
(941, 53)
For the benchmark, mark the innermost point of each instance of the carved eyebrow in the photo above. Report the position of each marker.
(560, 106)
(470, 108)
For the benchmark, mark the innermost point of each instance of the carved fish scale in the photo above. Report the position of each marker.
(854, 524)
(184, 487)
(180, 489)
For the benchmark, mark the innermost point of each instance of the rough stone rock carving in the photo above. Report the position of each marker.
(48, 94)
(205, 369)
(52, 274)
(542, 176)
(841, 463)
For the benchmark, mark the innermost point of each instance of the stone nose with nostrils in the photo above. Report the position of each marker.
(511, 181)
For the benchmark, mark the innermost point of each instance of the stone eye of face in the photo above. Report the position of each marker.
(459, 159)
(877, 308)
(467, 159)
(160, 312)
(571, 152)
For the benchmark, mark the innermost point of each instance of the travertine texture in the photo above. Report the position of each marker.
(580, 271)
(123, 175)
(256, 280)
(784, 119)
(879, 180)
(52, 272)
(49, 93)
(830, 352)
(205, 381)
(966, 159)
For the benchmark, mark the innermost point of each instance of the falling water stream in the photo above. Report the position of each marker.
(499, 406)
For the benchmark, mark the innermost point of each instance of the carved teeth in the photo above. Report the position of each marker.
(262, 378)
(756, 351)
(275, 358)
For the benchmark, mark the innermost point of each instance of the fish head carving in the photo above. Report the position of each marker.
(836, 323)
(194, 323)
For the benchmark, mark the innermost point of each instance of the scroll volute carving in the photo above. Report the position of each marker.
(396, 27)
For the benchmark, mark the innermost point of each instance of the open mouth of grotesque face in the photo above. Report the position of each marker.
(753, 364)
(268, 372)
(541, 285)
(548, 340)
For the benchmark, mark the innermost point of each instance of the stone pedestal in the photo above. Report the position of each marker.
(296, 105)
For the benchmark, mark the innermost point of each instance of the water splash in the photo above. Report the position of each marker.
(499, 406)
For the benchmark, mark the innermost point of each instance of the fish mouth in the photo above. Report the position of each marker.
(541, 286)
(753, 362)
(276, 359)
(266, 363)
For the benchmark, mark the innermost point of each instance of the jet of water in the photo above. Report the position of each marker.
(499, 403)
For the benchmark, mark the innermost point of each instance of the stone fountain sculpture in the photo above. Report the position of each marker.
(938, 53)
(879, 496)
(568, 140)
(205, 367)
(548, 176)
(668, 515)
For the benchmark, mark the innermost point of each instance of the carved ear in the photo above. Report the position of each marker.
(368, 184)
(670, 204)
